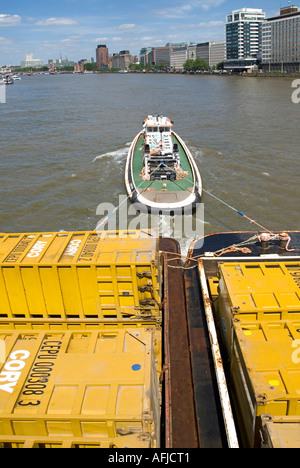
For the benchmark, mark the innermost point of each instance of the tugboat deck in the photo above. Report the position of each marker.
(157, 185)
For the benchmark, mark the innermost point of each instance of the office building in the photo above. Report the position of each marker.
(281, 41)
(212, 52)
(178, 56)
(102, 56)
(31, 62)
(162, 56)
(145, 55)
(243, 38)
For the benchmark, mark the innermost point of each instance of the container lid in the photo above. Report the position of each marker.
(77, 383)
(262, 287)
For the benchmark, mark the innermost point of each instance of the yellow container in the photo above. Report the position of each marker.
(257, 291)
(265, 373)
(280, 433)
(79, 275)
(87, 324)
(261, 291)
(135, 441)
(98, 385)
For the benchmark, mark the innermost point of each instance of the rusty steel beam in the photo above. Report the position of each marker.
(180, 416)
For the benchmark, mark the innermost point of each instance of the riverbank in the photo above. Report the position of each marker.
(255, 74)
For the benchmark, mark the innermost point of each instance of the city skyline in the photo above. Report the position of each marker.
(73, 29)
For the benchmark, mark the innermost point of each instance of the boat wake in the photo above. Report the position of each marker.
(181, 229)
(116, 155)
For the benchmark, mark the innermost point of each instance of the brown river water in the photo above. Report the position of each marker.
(64, 141)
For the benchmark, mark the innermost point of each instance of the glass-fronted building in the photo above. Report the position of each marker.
(243, 38)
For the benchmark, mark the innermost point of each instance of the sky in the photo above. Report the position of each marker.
(74, 28)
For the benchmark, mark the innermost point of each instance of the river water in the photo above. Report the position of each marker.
(64, 141)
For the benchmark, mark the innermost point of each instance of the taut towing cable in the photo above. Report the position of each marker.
(252, 221)
(263, 237)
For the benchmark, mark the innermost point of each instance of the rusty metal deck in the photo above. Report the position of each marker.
(180, 418)
(193, 409)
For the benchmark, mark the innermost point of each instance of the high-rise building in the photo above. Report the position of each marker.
(281, 41)
(243, 38)
(102, 56)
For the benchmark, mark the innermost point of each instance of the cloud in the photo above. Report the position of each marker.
(175, 12)
(183, 10)
(100, 39)
(57, 22)
(209, 24)
(71, 39)
(124, 27)
(207, 4)
(4, 41)
(147, 38)
(10, 20)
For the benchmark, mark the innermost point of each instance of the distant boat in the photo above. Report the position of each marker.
(8, 80)
(123, 71)
(160, 170)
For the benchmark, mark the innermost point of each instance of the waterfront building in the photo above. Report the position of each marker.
(151, 56)
(5, 69)
(78, 67)
(122, 60)
(102, 56)
(192, 51)
(145, 55)
(59, 63)
(212, 52)
(281, 41)
(31, 62)
(243, 38)
(162, 56)
(178, 56)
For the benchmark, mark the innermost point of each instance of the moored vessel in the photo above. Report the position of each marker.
(160, 172)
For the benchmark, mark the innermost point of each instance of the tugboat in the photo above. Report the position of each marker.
(160, 172)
